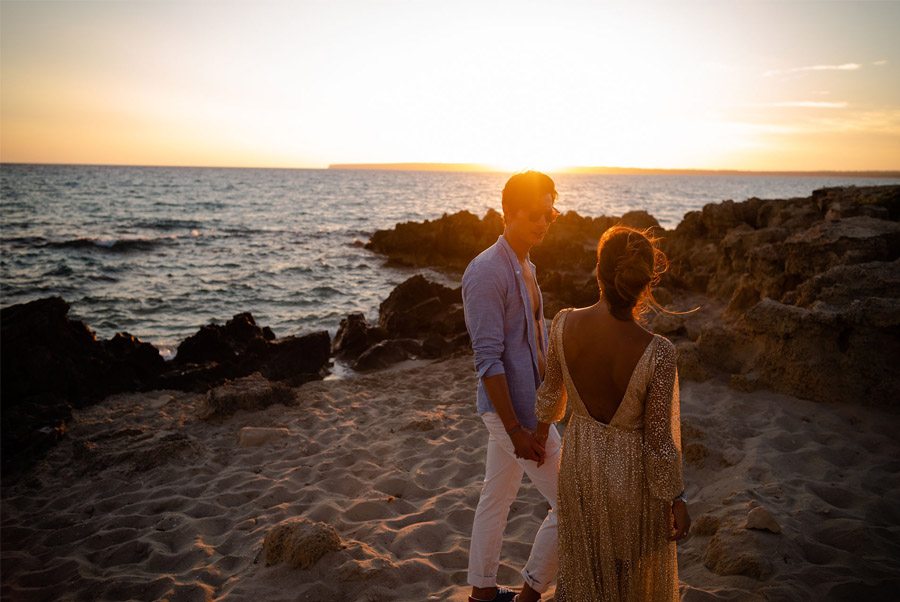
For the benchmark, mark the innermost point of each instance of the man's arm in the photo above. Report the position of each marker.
(523, 440)
(484, 307)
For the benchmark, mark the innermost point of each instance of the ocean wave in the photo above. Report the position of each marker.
(115, 245)
(326, 291)
(24, 241)
(167, 224)
(242, 231)
(59, 271)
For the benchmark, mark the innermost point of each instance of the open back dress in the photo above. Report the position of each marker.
(617, 480)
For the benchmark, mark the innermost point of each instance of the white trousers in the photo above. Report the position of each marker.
(502, 478)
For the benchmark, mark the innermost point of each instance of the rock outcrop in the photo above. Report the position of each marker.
(449, 242)
(51, 364)
(239, 348)
(565, 260)
(419, 319)
(796, 295)
(354, 336)
(812, 306)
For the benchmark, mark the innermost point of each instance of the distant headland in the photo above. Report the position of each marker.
(416, 167)
(475, 167)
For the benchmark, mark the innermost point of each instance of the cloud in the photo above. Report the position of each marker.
(880, 63)
(808, 104)
(878, 122)
(844, 67)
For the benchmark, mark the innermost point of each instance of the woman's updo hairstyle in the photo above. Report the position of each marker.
(629, 263)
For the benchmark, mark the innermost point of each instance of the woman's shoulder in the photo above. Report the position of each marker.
(665, 349)
(561, 314)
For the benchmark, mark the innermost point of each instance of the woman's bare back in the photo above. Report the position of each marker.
(601, 354)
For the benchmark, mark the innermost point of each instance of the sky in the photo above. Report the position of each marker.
(512, 85)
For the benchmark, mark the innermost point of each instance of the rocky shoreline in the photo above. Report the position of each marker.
(799, 296)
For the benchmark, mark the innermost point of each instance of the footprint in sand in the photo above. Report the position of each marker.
(837, 496)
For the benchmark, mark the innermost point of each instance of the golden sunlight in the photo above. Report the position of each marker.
(505, 84)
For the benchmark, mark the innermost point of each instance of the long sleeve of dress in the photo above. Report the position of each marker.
(550, 405)
(662, 427)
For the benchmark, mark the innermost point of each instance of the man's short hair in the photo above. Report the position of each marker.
(525, 190)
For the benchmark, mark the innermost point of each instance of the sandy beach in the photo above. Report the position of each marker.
(236, 352)
(163, 496)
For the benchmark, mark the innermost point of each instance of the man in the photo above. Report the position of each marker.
(505, 318)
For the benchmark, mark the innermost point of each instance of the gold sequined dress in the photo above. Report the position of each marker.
(617, 481)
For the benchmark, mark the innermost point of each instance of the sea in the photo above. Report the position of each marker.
(160, 251)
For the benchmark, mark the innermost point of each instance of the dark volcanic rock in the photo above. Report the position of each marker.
(385, 353)
(355, 335)
(46, 352)
(449, 242)
(419, 318)
(239, 348)
(135, 365)
(213, 343)
(195, 377)
(418, 306)
(51, 364)
(296, 359)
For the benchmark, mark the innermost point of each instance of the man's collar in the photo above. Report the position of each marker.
(512, 254)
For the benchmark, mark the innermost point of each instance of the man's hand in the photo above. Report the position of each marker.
(527, 446)
(681, 520)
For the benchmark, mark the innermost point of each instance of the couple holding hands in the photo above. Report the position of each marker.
(615, 484)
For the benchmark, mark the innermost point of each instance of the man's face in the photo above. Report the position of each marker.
(529, 225)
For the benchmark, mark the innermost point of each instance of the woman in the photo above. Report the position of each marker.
(621, 502)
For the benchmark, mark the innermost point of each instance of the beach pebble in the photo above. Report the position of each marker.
(759, 518)
(300, 543)
(254, 436)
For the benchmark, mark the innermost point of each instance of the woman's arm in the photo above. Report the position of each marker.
(662, 427)
(550, 404)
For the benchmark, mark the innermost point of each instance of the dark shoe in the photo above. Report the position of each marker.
(504, 594)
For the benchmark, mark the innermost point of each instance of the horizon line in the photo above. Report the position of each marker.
(484, 168)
